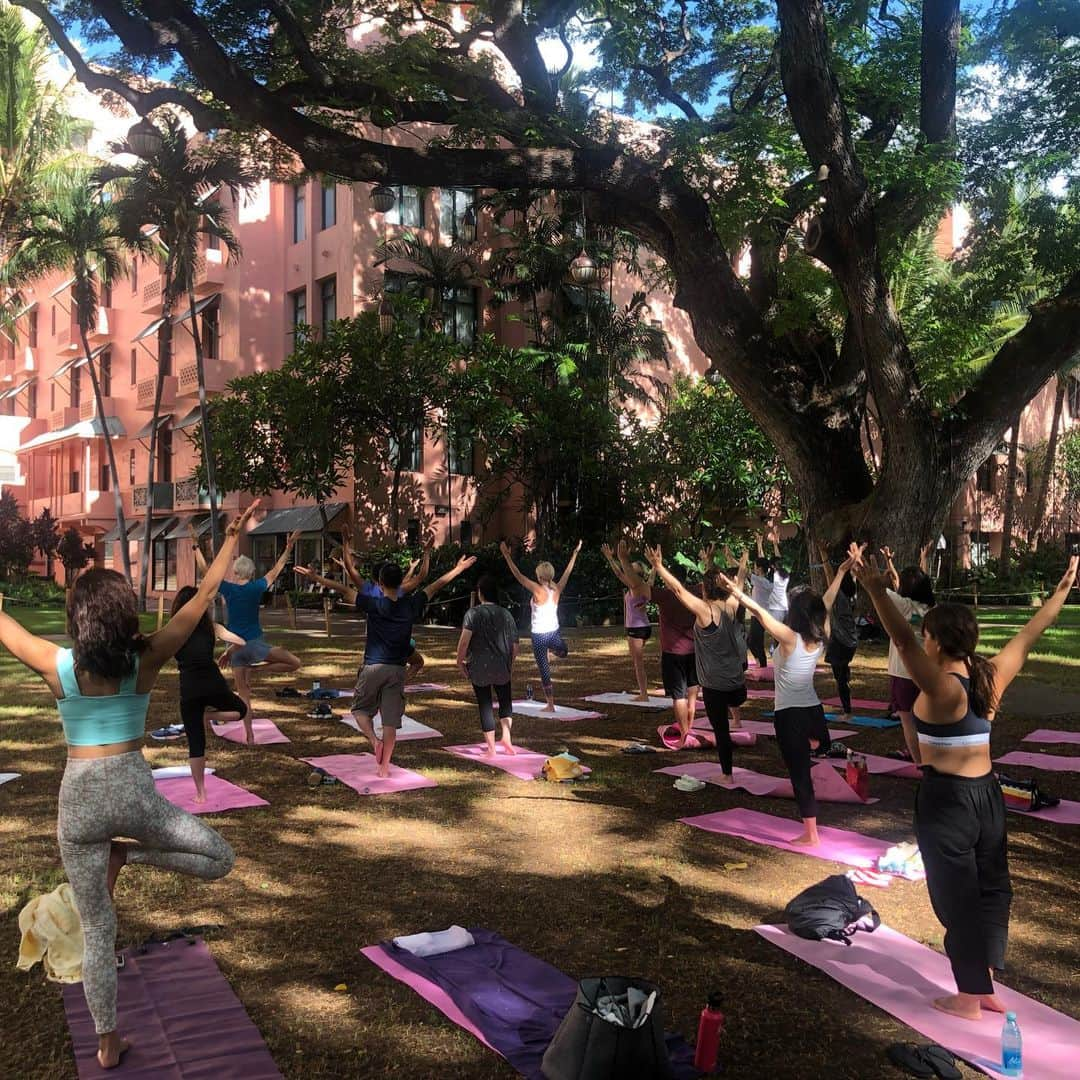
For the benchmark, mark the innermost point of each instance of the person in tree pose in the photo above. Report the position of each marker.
(677, 666)
(545, 592)
(799, 718)
(912, 594)
(959, 808)
(243, 601)
(843, 634)
(769, 589)
(102, 689)
(485, 655)
(380, 684)
(635, 619)
(719, 646)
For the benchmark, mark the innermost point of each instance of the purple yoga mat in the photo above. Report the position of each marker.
(765, 727)
(1052, 762)
(525, 764)
(358, 771)
(761, 674)
(903, 977)
(184, 1020)
(837, 845)
(869, 704)
(220, 795)
(700, 737)
(828, 786)
(1049, 735)
(1067, 812)
(265, 731)
(883, 766)
(512, 1001)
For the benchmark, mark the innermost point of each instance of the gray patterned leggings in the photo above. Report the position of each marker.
(103, 799)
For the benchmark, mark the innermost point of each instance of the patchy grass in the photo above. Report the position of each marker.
(597, 877)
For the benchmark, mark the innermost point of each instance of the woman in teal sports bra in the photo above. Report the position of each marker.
(102, 688)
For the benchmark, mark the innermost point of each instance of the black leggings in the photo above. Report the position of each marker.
(717, 706)
(755, 641)
(487, 712)
(191, 712)
(839, 658)
(794, 730)
(960, 826)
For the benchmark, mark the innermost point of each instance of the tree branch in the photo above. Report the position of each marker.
(297, 38)
(937, 71)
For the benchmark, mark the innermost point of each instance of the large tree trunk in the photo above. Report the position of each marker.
(1049, 464)
(1008, 524)
(204, 424)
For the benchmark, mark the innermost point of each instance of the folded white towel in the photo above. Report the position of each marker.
(6, 776)
(437, 943)
(171, 772)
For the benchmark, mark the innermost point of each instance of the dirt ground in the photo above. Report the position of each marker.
(596, 878)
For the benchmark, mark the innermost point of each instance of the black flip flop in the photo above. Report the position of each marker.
(941, 1061)
(925, 1061)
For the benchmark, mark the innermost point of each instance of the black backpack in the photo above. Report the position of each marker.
(830, 909)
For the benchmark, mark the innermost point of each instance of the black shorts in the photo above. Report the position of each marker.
(642, 633)
(723, 699)
(679, 673)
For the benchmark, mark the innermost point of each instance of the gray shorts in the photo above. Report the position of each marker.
(251, 653)
(380, 688)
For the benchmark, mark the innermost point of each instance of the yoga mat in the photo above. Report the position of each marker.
(765, 727)
(759, 695)
(182, 1016)
(425, 687)
(358, 772)
(623, 698)
(511, 1001)
(266, 732)
(761, 674)
(410, 728)
(6, 776)
(327, 693)
(562, 712)
(837, 845)
(1051, 762)
(170, 772)
(903, 977)
(1049, 735)
(859, 703)
(700, 737)
(220, 795)
(858, 721)
(1066, 812)
(883, 766)
(525, 764)
(828, 787)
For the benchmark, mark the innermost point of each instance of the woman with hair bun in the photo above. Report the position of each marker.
(102, 688)
(959, 808)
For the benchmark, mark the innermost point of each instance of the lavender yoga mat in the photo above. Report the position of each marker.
(828, 787)
(903, 977)
(859, 703)
(185, 1020)
(220, 795)
(425, 687)
(266, 732)
(525, 764)
(1051, 762)
(700, 737)
(358, 771)
(837, 845)
(512, 1001)
(562, 712)
(765, 727)
(883, 766)
(1049, 735)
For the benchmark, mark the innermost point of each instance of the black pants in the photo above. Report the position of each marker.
(487, 712)
(717, 704)
(839, 658)
(191, 713)
(794, 730)
(960, 826)
(755, 641)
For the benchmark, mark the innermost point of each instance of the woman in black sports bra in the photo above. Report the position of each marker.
(959, 809)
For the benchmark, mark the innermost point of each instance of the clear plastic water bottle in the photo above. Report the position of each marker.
(316, 685)
(528, 691)
(1012, 1058)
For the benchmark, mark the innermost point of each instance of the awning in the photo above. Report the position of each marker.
(202, 526)
(159, 528)
(200, 307)
(144, 432)
(25, 309)
(194, 417)
(66, 285)
(86, 429)
(114, 533)
(78, 362)
(146, 331)
(296, 519)
(15, 391)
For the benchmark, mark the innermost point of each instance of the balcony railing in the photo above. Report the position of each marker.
(189, 495)
(209, 272)
(188, 380)
(63, 418)
(101, 331)
(146, 389)
(151, 297)
(163, 497)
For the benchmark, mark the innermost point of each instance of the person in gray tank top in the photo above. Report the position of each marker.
(719, 646)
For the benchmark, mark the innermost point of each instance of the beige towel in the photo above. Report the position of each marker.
(52, 933)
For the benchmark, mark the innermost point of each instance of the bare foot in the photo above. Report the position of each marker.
(383, 772)
(815, 743)
(109, 1055)
(118, 854)
(806, 840)
(200, 797)
(726, 780)
(735, 727)
(966, 1006)
(249, 735)
(377, 746)
(992, 1002)
(490, 752)
(844, 718)
(508, 746)
(641, 697)
(548, 708)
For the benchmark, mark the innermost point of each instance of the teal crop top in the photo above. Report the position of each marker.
(99, 721)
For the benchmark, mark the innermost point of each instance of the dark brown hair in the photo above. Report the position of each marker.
(185, 596)
(104, 624)
(806, 614)
(956, 631)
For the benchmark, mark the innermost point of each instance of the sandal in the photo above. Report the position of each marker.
(925, 1061)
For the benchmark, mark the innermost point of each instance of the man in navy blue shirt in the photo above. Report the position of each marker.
(380, 686)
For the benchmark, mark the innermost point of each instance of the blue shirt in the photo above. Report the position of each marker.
(389, 626)
(243, 602)
(373, 589)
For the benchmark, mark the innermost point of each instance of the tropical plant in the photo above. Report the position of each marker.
(435, 270)
(16, 538)
(46, 538)
(74, 553)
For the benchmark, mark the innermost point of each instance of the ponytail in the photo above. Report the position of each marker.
(981, 695)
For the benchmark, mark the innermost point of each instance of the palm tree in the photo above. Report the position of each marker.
(437, 268)
(79, 230)
(172, 190)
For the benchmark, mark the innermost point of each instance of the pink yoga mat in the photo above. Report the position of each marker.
(1048, 735)
(562, 712)
(828, 786)
(220, 795)
(884, 766)
(859, 703)
(903, 977)
(525, 764)
(358, 772)
(1066, 812)
(765, 727)
(700, 737)
(266, 732)
(837, 845)
(759, 695)
(425, 687)
(760, 674)
(1051, 762)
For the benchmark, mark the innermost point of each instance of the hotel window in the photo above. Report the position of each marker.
(166, 367)
(298, 302)
(165, 565)
(213, 240)
(459, 309)
(107, 552)
(412, 534)
(32, 335)
(53, 320)
(328, 201)
(106, 295)
(408, 208)
(299, 213)
(411, 453)
(52, 397)
(211, 332)
(73, 482)
(327, 300)
(984, 476)
(164, 455)
(466, 533)
(105, 374)
(453, 202)
(75, 382)
(134, 366)
(135, 275)
(31, 401)
(104, 477)
(131, 467)
(459, 452)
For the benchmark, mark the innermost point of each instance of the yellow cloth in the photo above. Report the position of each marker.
(52, 933)
(559, 769)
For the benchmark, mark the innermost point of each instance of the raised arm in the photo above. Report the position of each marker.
(781, 631)
(346, 560)
(224, 634)
(1011, 659)
(36, 653)
(457, 570)
(613, 564)
(522, 580)
(200, 558)
(275, 570)
(634, 581)
(688, 600)
(891, 574)
(418, 571)
(855, 553)
(346, 590)
(561, 583)
(731, 604)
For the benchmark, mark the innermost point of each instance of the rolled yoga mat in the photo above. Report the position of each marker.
(700, 737)
(182, 1016)
(828, 786)
(358, 771)
(525, 764)
(1049, 735)
(511, 1001)
(1052, 762)
(562, 712)
(266, 732)
(903, 977)
(220, 794)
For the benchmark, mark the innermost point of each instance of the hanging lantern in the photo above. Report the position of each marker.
(714, 376)
(144, 139)
(383, 198)
(583, 270)
(386, 316)
(467, 230)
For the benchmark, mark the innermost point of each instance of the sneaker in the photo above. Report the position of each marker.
(170, 731)
(689, 784)
(321, 711)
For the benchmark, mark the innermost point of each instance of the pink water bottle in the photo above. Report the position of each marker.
(711, 1024)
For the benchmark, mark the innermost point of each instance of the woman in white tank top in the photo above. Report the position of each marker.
(544, 609)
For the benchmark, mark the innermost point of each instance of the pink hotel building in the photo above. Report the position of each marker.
(308, 254)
